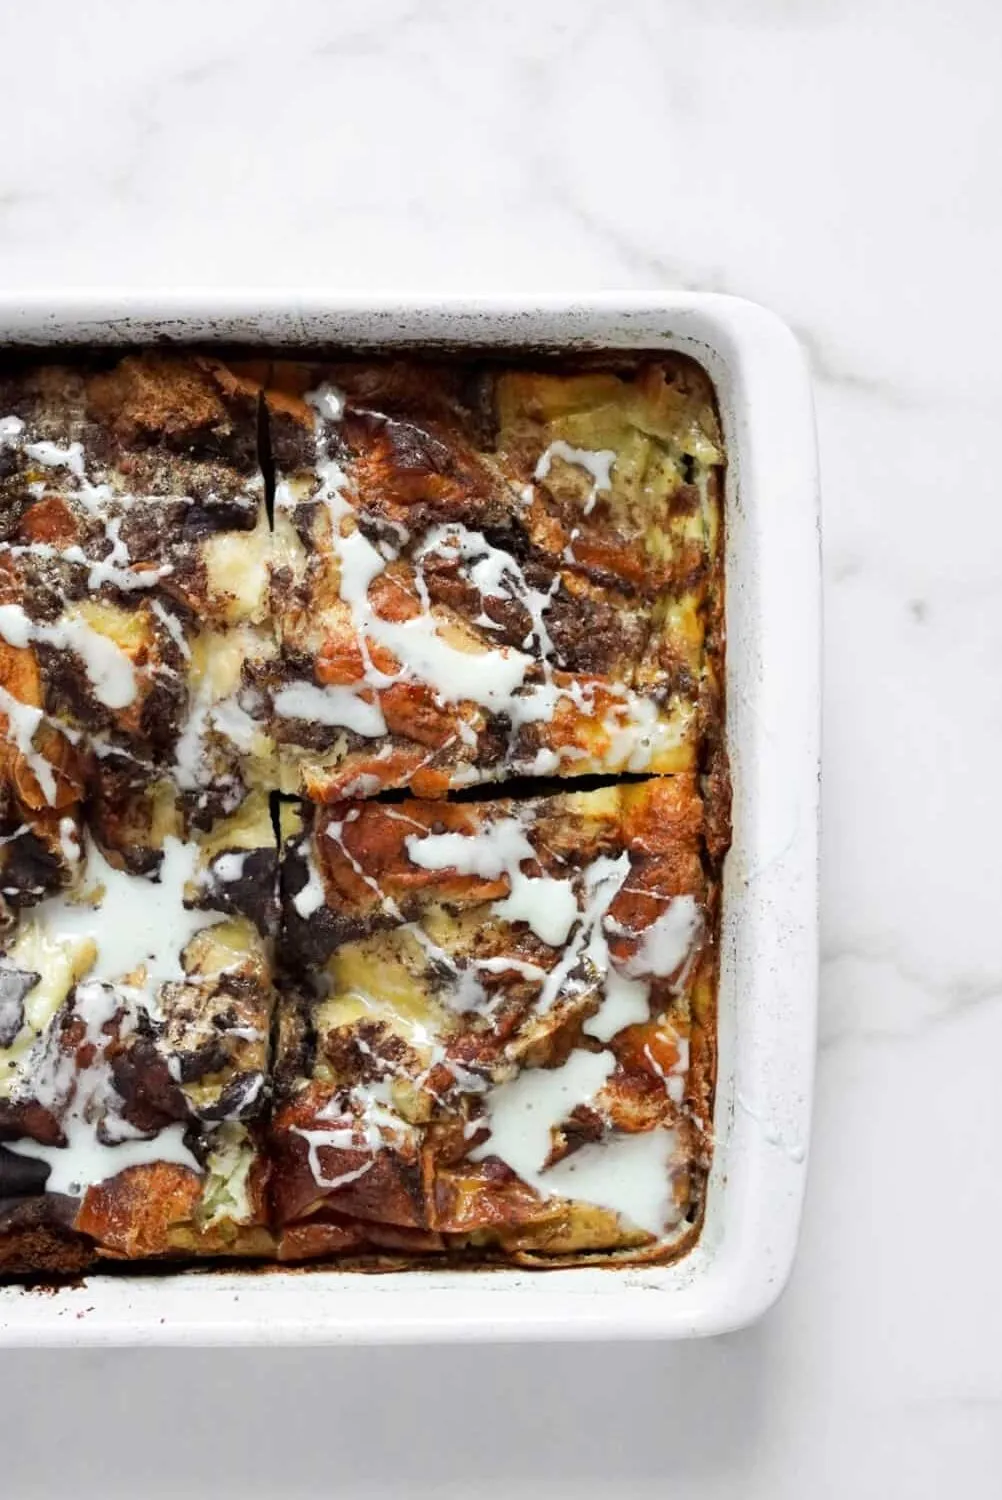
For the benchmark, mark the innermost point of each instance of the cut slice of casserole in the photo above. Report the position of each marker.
(134, 609)
(501, 1035)
(135, 1014)
(486, 572)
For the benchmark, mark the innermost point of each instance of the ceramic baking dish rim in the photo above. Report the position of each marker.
(768, 991)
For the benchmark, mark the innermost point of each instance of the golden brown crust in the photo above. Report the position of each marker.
(356, 892)
(462, 481)
(133, 557)
(559, 530)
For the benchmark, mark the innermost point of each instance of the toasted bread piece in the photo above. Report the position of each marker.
(502, 1032)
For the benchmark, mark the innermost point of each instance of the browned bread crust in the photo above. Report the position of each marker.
(381, 1110)
(314, 1082)
(516, 573)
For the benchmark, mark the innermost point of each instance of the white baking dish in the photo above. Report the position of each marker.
(768, 988)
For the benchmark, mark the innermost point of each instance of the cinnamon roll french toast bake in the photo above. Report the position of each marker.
(363, 805)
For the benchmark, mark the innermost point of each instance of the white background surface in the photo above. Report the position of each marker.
(840, 161)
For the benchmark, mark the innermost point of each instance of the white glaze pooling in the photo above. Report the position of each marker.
(229, 866)
(628, 1174)
(135, 931)
(84, 1099)
(136, 924)
(664, 946)
(524, 1113)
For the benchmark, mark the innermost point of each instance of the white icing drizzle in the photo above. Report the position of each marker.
(637, 732)
(69, 841)
(107, 666)
(523, 1114)
(568, 552)
(328, 401)
(486, 677)
(628, 1174)
(230, 866)
(139, 929)
(549, 906)
(312, 897)
(53, 456)
(661, 949)
(137, 924)
(368, 1119)
(232, 720)
(466, 993)
(674, 1078)
(545, 763)
(317, 1138)
(368, 1122)
(173, 626)
(495, 574)
(625, 1002)
(601, 880)
(664, 946)
(335, 705)
(365, 784)
(116, 567)
(85, 1098)
(93, 497)
(101, 570)
(424, 646)
(224, 716)
(598, 462)
(22, 722)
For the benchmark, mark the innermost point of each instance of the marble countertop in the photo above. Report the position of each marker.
(838, 160)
